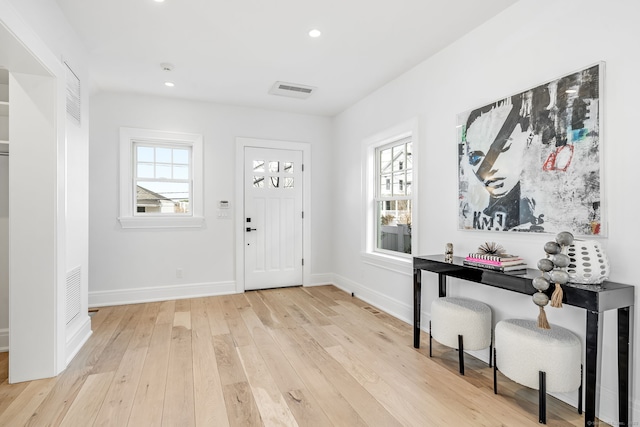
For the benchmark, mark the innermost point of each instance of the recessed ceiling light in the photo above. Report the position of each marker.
(159, 1)
(169, 84)
(315, 33)
(570, 91)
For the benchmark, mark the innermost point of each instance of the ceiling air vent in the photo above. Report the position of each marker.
(291, 90)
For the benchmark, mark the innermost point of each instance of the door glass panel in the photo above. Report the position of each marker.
(258, 181)
(274, 182)
(288, 167)
(288, 182)
(258, 165)
(274, 166)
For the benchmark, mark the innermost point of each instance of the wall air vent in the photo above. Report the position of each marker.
(73, 294)
(73, 95)
(292, 90)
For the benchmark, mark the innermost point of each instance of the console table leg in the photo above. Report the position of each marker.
(442, 285)
(623, 366)
(417, 302)
(593, 337)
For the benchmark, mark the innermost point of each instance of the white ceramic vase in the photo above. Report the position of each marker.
(589, 264)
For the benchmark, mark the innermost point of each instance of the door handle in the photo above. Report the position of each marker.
(249, 229)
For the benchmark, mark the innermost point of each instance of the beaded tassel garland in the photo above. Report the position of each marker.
(553, 271)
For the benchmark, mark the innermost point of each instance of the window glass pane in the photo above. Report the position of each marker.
(288, 167)
(393, 231)
(145, 170)
(288, 182)
(385, 161)
(163, 171)
(180, 156)
(409, 156)
(274, 182)
(274, 166)
(180, 172)
(258, 165)
(399, 161)
(163, 155)
(398, 184)
(144, 154)
(408, 183)
(258, 181)
(163, 197)
(385, 185)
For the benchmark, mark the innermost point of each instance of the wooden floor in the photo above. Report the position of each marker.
(298, 356)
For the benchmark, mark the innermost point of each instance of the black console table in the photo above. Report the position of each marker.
(595, 299)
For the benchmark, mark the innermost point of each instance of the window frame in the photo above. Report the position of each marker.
(129, 217)
(371, 184)
(379, 198)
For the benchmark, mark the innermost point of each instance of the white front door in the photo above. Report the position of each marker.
(272, 218)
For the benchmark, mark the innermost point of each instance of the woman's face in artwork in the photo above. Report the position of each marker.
(497, 162)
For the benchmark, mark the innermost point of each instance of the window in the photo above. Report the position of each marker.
(160, 179)
(393, 196)
(389, 234)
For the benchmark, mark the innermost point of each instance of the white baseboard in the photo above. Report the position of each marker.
(391, 306)
(4, 340)
(159, 293)
(77, 334)
(321, 279)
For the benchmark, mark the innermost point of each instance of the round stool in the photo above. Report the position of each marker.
(541, 359)
(460, 323)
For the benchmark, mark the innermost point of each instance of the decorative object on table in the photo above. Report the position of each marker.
(561, 261)
(490, 248)
(492, 256)
(552, 271)
(515, 153)
(448, 252)
(589, 264)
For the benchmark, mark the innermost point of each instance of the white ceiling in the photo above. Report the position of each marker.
(232, 51)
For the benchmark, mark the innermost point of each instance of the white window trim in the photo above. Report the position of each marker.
(369, 180)
(128, 217)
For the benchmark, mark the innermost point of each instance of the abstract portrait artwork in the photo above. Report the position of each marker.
(531, 162)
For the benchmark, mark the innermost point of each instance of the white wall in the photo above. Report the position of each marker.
(45, 39)
(48, 21)
(128, 265)
(4, 253)
(528, 44)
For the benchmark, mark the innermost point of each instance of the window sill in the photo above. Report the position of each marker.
(400, 264)
(161, 222)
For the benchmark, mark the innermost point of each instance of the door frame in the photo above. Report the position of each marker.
(241, 143)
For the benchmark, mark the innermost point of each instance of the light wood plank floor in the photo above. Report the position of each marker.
(298, 356)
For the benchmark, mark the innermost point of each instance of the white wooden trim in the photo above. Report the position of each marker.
(241, 143)
(127, 217)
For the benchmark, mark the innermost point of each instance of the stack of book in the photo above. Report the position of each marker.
(498, 262)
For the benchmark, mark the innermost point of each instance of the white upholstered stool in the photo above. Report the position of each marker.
(541, 359)
(461, 323)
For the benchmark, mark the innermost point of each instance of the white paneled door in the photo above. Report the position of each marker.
(273, 218)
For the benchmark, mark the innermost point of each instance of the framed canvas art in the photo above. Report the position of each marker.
(531, 162)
